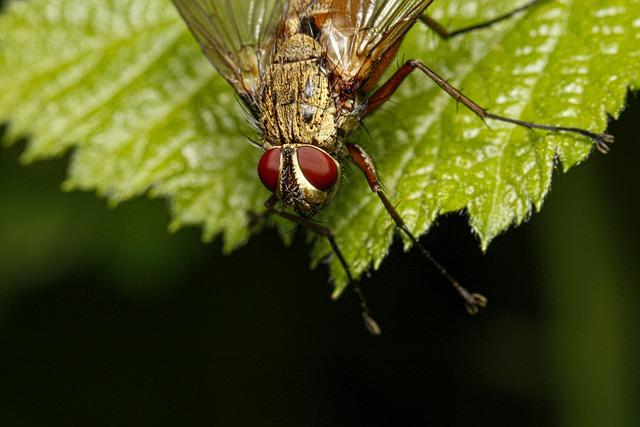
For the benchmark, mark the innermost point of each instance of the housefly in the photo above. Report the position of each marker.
(308, 72)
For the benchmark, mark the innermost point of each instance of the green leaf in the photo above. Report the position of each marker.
(123, 84)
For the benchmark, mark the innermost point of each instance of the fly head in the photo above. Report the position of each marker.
(304, 177)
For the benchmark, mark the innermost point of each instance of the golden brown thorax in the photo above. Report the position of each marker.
(296, 101)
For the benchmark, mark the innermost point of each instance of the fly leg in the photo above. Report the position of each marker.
(445, 34)
(602, 140)
(473, 302)
(369, 323)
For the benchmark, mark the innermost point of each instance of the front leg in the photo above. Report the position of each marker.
(473, 302)
(271, 208)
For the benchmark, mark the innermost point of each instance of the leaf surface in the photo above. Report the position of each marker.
(123, 84)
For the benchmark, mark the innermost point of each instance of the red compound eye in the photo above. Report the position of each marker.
(269, 169)
(318, 167)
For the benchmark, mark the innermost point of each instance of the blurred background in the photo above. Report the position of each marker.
(106, 319)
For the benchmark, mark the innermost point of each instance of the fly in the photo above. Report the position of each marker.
(309, 71)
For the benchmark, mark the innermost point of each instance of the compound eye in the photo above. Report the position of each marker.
(318, 167)
(269, 169)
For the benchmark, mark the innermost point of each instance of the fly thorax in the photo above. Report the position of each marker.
(296, 103)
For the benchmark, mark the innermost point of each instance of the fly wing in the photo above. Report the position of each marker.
(359, 34)
(236, 36)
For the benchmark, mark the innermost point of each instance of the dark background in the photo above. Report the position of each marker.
(108, 320)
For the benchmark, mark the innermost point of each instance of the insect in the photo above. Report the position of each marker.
(308, 72)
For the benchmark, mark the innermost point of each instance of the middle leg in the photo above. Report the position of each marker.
(369, 322)
(473, 302)
(379, 97)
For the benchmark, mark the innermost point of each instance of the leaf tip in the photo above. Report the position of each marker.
(338, 289)
(174, 226)
(485, 240)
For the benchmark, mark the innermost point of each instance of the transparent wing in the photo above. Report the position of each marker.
(359, 34)
(236, 36)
